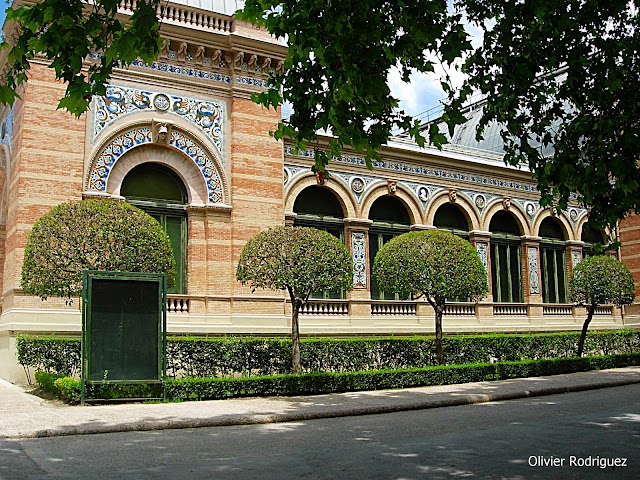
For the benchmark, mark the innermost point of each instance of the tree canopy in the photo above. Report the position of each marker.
(299, 260)
(561, 74)
(599, 280)
(435, 264)
(106, 235)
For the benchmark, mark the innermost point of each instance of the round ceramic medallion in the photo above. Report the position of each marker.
(161, 102)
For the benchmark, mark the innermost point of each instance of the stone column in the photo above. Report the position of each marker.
(290, 218)
(481, 241)
(531, 275)
(357, 240)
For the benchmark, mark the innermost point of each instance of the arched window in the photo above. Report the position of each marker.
(158, 191)
(553, 261)
(450, 217)
(390, 219)
(506, 277)
(319, 208)
(591, 236)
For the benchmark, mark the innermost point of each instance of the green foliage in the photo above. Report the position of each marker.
(66, 32)
(49, 354)
(46, 381)
(300, 260)
(336, 71)
(433, 263)
(242, 357)
(600, 280)
(565, 74)
(323, 383)
(338, 62)
(92, 234)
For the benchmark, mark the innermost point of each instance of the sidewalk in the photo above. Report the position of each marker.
(25, 415)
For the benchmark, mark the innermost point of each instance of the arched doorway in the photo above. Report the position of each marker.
(506, 261)
(390, 219)
(450, 217)
(553, 261)
(158, 191)
(591, 237)
(319, 208)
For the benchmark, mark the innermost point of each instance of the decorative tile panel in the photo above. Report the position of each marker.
(532, 261)
(576, 257)
(358, 251)
(6, 129)
(142, 135)
(208, 116)
(481, 248)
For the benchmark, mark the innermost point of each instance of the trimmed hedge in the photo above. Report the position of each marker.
(245, 357)
(333, 382)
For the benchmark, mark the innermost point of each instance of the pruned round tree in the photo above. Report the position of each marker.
(93, 234)
(437, 265)
(599, 280)
(300, 260)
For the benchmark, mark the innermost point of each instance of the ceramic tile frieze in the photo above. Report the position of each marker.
(208, 116)
(123, 143)
(422, 170)
(358, 250)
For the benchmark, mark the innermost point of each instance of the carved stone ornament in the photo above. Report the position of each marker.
(161, 132)
(253, 62)
(530, 209)
(199, 56)
(181, 54)
(357, 185)
(453, 194)
(392, 187)
(266, 64)
(239, 60)
(506, 203)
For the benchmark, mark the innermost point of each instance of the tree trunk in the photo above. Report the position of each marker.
(439, 350)
(583, 334)
(296, 366)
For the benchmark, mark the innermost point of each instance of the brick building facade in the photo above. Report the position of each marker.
(181, 139)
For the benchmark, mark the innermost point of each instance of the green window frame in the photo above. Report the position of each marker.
(377, 238)
(553, 265)
(506, 270)
(158, 191)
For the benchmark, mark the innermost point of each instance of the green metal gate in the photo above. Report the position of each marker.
(123, 330)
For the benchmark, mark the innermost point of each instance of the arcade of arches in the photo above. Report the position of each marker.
(527, 262)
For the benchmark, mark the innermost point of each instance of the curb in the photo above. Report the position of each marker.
(331, 412)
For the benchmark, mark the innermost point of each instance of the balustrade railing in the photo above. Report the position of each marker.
(392, 308)
(604, 311)
(177, 304)
(184, 15)
(325, 307)
(460, 309)
(510, 310)
(558, 310)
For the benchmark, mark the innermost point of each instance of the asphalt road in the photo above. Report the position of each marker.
(561, 436)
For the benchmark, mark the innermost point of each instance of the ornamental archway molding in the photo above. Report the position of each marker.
(201, 168)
